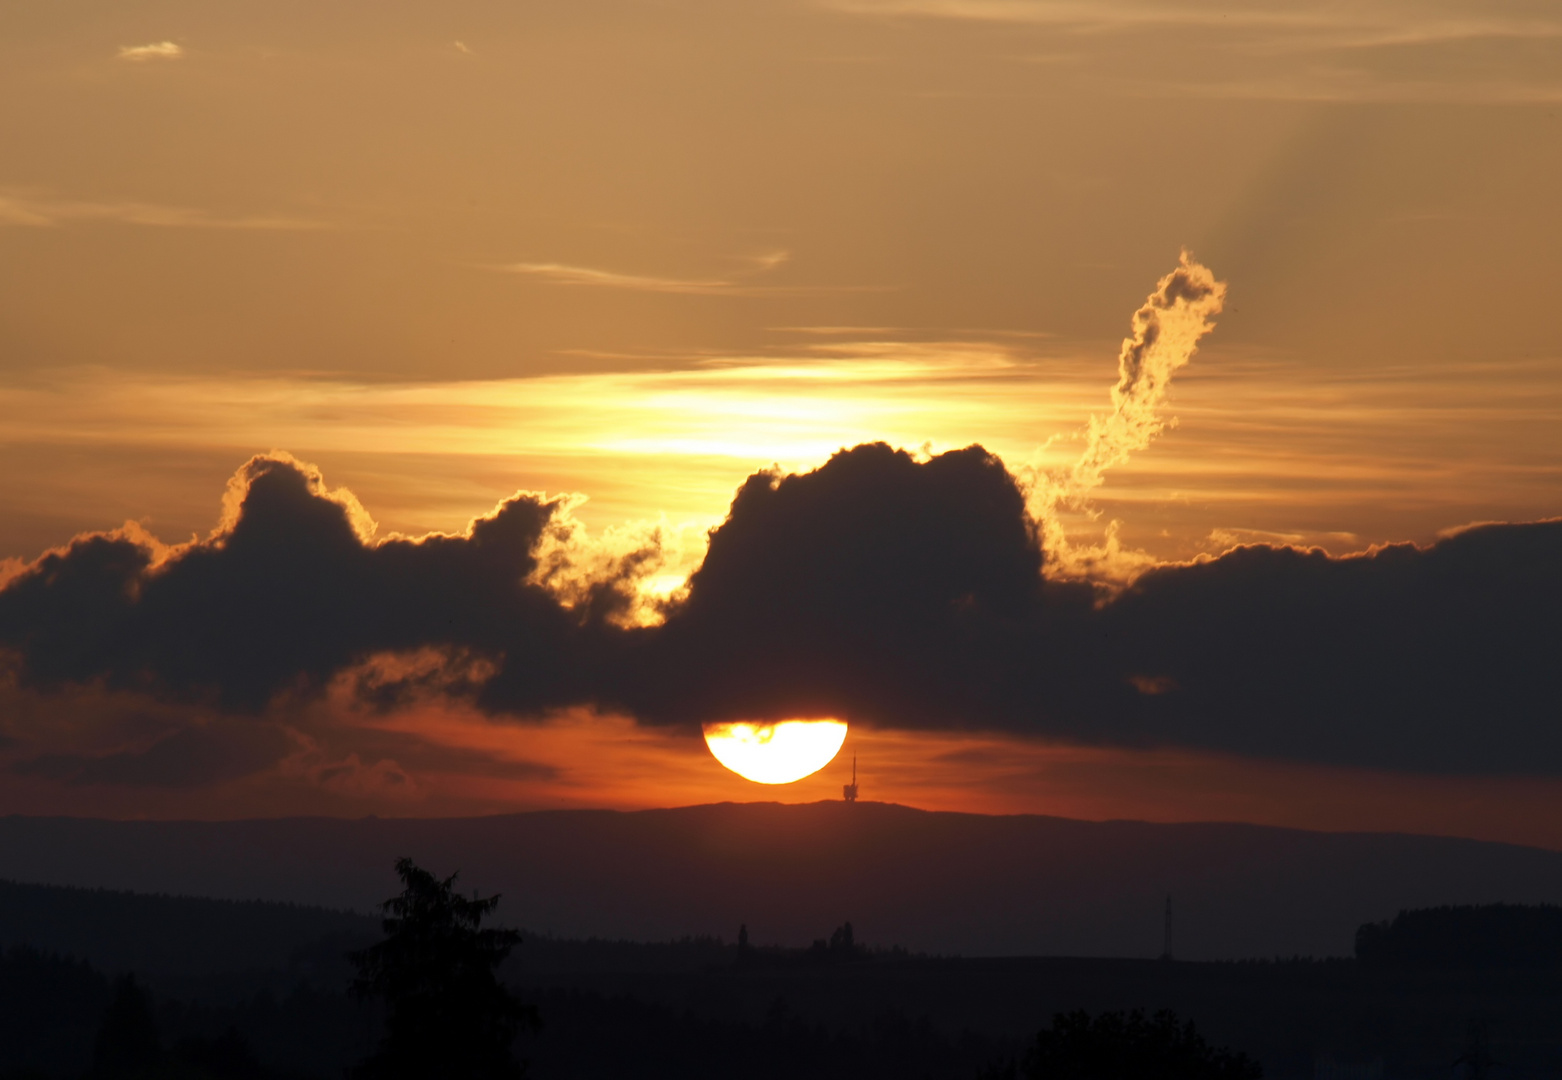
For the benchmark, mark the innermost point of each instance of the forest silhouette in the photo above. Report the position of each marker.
(1115, 1045)
(441, 987)
(1514, 936)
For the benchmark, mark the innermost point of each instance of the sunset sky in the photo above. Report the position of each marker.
(620, 256)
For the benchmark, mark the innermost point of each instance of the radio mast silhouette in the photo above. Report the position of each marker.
(1166, 947)
(849, 791)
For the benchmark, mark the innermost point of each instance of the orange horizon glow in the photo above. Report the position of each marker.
(442, 759)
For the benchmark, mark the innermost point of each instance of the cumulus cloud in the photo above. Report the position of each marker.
(908, 594)
(876, 587)
(1433, 658)
(890, 589)
(288, 591)
(157, 50)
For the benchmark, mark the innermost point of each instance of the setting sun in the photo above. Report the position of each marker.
(778, 753)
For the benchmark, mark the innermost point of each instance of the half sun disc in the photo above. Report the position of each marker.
(778, 753)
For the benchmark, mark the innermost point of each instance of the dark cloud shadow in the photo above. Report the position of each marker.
(194, 757)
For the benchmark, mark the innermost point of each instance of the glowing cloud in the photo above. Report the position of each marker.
(738, 284)
(22, 208)
(562, 274)
(1166, 334)
(157, 50)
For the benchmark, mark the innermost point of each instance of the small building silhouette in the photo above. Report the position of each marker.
(849, 791)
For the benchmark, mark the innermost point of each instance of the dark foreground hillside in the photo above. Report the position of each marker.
(890, 1018)
(178, 936)
(934, 882)
(701, 1008)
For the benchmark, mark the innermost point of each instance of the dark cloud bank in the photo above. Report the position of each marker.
(875, 588)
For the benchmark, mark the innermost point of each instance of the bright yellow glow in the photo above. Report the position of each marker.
(778, 753)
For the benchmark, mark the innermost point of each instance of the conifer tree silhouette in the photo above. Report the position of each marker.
(448, 1017)
(1115, 1045)
(127, 1044)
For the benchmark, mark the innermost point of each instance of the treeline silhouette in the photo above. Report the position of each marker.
(441, 1013)
(707, 1008)
(62, 1018)
(50, 1007)
(55, 1011)
(1119, 1045)
(180, 941)
(591, 1036)
(841, 947)
(1488, 936)
(444, 1014)
(129, 1045)
(881, 1018)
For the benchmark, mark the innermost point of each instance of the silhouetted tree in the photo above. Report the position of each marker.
(127, 1044)
(448, 1017)
(227, 1057)
(842, 940)
(842, 945)
(1477, 1059)
(1116, 1045)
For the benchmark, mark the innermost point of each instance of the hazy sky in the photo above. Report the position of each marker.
(639, 250)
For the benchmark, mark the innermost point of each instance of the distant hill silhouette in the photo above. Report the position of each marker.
(1492, 936)
(176, 935)
(935, 882)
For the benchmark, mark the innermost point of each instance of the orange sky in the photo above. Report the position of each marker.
(638, 251)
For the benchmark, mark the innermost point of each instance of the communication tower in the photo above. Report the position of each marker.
(849, 791)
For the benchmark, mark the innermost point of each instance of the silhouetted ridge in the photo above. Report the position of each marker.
(181, 935)
(933, 882)
(1515, 936)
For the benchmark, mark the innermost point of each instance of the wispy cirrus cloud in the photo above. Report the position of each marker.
(739, 284)
(27, 209)
(564, 274)
(1378, 50)
(157, 50)
(1309, 22)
